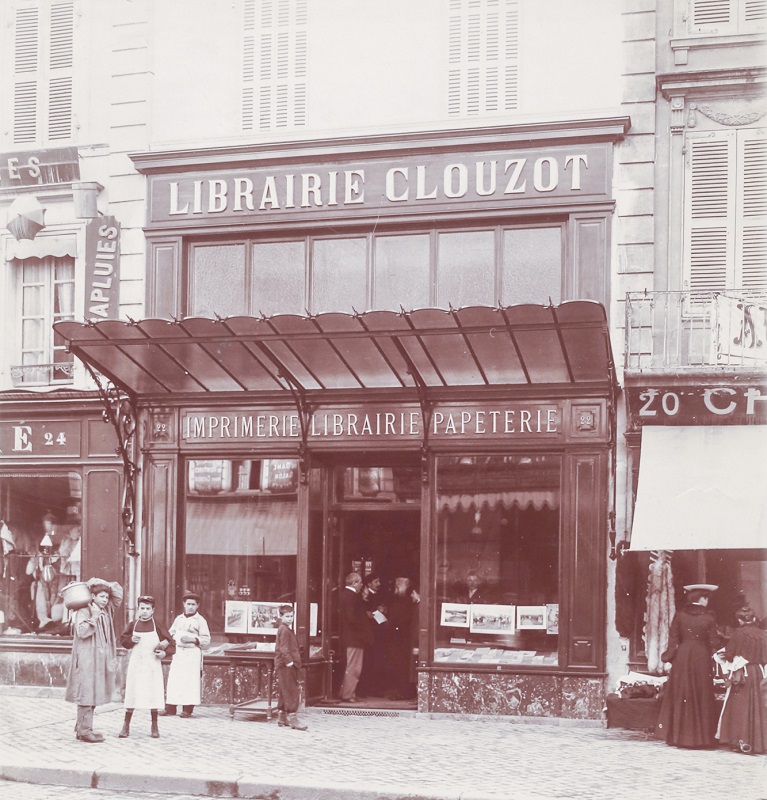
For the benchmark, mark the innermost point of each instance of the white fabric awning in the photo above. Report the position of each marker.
(42, 247)
(701, 488)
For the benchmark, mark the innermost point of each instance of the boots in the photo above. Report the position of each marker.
(282, 719)
(125, 732)
(295, 724)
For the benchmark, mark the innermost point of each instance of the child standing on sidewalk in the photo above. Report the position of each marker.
(287, 663)
(149, 642)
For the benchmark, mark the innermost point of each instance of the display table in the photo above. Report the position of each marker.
(261, 663)
(638, 714)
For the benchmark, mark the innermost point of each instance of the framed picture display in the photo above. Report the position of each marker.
(264, 617)
(236, 612)
(531, 618)
(552, 617)
(454, 615)
(492, 619)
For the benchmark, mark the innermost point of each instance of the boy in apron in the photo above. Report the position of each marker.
(149, 642)
(191, 634)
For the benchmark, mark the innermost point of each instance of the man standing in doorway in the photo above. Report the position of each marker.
(355, 634)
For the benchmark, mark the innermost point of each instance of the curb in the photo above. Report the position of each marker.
(226, 785)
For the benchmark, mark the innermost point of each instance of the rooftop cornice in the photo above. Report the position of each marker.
(603, 128)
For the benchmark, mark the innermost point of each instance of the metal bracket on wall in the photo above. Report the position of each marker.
(304, 413)
(120, 413)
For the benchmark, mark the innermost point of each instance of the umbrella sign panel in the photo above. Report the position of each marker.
(102, 268)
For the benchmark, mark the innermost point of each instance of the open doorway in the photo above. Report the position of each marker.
(376, 532)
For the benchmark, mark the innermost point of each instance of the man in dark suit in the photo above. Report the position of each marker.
(472, 591)
(355, 634)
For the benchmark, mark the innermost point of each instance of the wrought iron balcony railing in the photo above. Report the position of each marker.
(42, 374)
(694, 330)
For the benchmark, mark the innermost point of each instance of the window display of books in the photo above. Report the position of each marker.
(493, 655)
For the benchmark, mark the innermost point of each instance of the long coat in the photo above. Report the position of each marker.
(744, 717)
(688, 712)
(354, 623)
(92, 672)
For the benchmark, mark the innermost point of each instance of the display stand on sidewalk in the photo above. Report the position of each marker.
(245, 659)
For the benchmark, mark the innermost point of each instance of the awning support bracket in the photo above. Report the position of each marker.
(304, 413)
(120, 412)
(424, 401)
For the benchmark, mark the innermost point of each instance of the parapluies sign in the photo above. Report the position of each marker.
(26, 217)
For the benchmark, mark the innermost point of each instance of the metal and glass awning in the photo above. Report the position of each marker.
(426, 349)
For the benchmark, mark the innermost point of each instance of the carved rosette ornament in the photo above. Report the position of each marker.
(720, 117)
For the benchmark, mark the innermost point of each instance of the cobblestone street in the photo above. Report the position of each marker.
(355, 756)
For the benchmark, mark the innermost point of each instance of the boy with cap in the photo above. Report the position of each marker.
(149, 642)
(287, 663)
(191, 634)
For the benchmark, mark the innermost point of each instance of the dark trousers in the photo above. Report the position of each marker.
(288, 689)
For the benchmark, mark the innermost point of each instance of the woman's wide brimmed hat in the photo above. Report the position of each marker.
(701, 587)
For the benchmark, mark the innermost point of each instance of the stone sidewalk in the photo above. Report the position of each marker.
(362, 758)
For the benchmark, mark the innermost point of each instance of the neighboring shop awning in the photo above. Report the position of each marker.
(701, 488)
(428, 348)
(535, 498)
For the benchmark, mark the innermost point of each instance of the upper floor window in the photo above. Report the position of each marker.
(274, 64)
(381, 270)
(46, 295)
(726, 17)
(483, 57)
(43, 35)
(725, 238)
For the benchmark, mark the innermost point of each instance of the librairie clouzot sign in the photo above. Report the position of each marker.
(576, 172)
(360, 424)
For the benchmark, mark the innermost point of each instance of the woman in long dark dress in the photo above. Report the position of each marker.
(743, 724)
(688, 712)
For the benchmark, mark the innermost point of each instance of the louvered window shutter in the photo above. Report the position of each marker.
(26, 69)
(710, 198)
(274, 64)
(723, 17)
(483, 55)
(60, 64)
(43, 72)
(751, 216)
(752, 16)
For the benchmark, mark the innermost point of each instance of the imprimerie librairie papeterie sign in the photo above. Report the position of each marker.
(403, 422)
(576, 172)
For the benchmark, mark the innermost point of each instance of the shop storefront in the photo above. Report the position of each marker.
(466, 447)
(697, 449)
(61, 490)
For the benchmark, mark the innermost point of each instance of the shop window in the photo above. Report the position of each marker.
(47, 295)
(465, 268)
(274, 56)
(241, 544)
(43, 82)
(401, 274)
(279, 283)
(532, 265)
(725, 243)
(383, 270)
(723, 17)
(218, 280)
(483, 56)
(40, 551)
(497, 560)
(339, 275)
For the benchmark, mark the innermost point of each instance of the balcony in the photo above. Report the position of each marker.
(694, 331)
(43, 374)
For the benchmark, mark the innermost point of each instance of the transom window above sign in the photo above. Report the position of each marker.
(495, 264)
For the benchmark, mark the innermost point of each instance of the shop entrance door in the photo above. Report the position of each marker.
(374, 529)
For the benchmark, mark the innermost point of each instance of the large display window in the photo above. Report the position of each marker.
(497, 556)
(241, 543)
(40, 550)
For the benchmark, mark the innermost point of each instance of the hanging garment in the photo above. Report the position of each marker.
(660, 609)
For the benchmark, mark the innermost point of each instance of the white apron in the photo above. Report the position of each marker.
(185, 676)
(144, 683)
